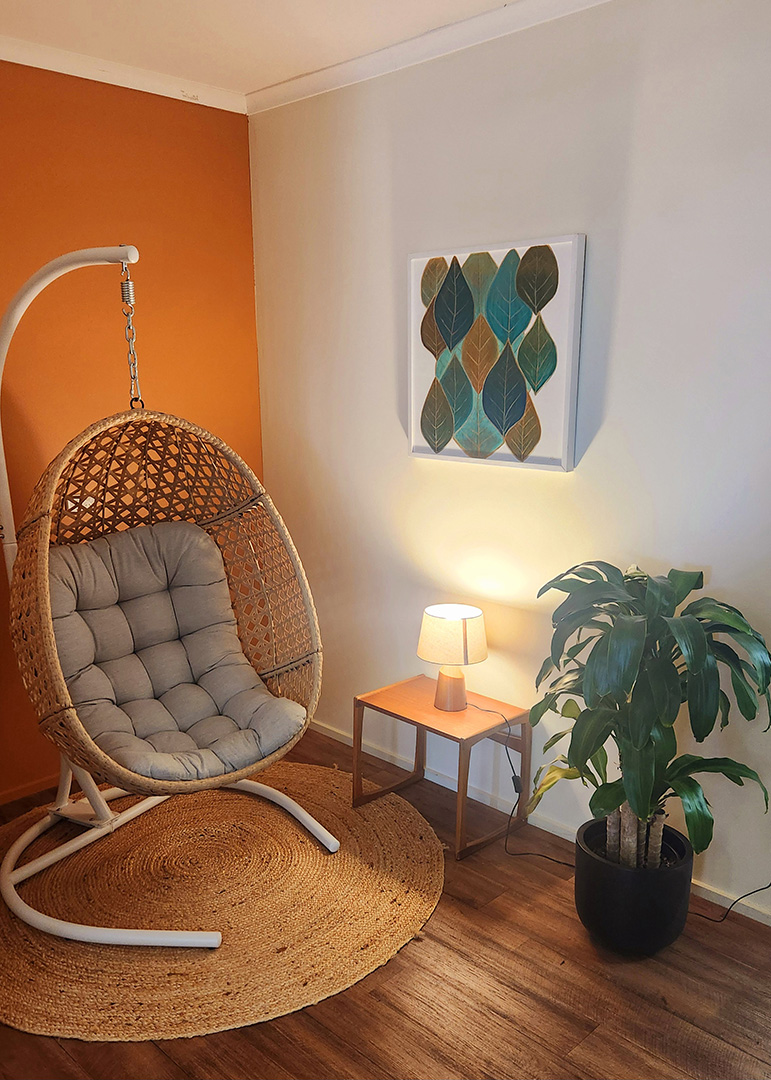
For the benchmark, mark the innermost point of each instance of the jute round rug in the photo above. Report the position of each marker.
(297, 923)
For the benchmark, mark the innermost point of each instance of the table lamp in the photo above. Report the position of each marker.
(451, 635)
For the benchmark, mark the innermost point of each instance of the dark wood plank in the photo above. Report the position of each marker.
(226, 1055)
(35, 1057)
(389, 1038)
(123, 1059)
(604, 1055)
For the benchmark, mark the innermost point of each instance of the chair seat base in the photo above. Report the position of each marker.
(93, 812)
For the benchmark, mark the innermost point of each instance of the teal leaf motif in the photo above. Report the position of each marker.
(537, 355)
(479, 269)
(478, 438)
(507, 313)
(504, 394)
(454, 306)
(538, 277)
(436, 418)
(460, 394)
(442, 363)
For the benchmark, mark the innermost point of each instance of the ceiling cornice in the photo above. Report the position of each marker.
(512, 17)
(89, 67)
(508, 19)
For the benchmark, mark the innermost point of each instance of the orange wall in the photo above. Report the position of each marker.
(87, 165)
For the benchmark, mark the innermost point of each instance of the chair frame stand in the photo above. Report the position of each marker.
(93, 813)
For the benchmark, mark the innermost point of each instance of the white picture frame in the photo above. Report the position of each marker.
(466, 307)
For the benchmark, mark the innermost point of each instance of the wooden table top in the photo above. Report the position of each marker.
(413, 700)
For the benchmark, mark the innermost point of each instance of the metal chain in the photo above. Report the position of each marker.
(129, 299)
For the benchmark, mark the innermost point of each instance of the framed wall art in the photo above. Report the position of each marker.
(494, 339)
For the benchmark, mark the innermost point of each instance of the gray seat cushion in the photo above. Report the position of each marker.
(148, 645)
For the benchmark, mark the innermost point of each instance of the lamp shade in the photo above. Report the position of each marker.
(452, 634)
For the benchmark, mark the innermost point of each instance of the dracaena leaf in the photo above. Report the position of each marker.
(659, 597)
(625, 648)
(550, 777)
(638, 769)
(691, 639)
(642, 714)
(698, 816)
(746, 697)
(704, 698)
(594, 593)
(665, 687)
(546, 668)
(735, 771)
(591, 730)
(684, 582)
(607, 798)
(554, 739)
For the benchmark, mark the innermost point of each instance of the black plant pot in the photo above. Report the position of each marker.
(629, 910)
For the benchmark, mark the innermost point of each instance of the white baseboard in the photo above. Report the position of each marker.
(540, 820)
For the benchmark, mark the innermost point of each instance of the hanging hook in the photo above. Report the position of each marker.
(128, 299)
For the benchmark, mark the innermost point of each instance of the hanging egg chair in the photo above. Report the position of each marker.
(162, 621)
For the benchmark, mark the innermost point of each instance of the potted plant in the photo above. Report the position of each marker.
(621, 645)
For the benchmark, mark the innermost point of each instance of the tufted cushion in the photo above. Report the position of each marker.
(148, 645)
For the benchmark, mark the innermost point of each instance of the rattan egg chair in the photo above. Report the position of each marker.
(132, 471)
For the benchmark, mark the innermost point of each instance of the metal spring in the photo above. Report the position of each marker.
(127, 292)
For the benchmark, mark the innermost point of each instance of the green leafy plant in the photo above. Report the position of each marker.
(619, 645)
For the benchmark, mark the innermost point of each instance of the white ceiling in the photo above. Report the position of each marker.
(252, 55)
(237, 45)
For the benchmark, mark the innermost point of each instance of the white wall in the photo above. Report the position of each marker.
(645, 125)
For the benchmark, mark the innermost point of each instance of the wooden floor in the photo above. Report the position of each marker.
(502, 983)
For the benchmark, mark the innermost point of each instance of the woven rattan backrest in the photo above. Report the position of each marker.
(138, 468)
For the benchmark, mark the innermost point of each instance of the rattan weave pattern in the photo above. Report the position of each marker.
(138, 468)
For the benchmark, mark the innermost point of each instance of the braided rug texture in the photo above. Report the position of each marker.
(298, 923)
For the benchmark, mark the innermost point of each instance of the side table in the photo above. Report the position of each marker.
(413, 702)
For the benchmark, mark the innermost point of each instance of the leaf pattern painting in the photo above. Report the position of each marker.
(433, 276)
(454, 306)
(507, 313)
(494, 343)
(523, 438)
(436, 419)
(504, 394)
(537, 355)
(480, 351)
(429, 332)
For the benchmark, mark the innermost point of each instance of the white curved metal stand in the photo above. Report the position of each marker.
(92, 811)
(101, 256)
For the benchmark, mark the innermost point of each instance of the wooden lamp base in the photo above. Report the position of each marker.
(450, 689)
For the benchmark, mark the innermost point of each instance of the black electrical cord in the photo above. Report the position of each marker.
(539, 855)
(517, 782)
(728, 910)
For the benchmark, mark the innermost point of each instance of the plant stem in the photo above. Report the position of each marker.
(654, 839)
(642, 836)
(628, 847)
(612, 836)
